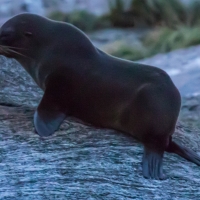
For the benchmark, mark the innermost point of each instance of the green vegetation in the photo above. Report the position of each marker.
(173, 25)
(160, 40)
(170, 13)
(123, 50)
(118, 16)
(82, 19)
(153, 12)
(58, 16)
(165, 39)
(193, 17)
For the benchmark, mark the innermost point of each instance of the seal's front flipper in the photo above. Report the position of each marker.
(49, 114)
(152, 164)
(47, 123)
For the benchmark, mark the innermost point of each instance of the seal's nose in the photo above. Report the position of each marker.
(6, 38)
(6, 34)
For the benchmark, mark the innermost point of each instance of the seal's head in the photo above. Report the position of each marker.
(22, 34)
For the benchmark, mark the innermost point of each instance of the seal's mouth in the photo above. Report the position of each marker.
(6, 38)
(9, 45)
(10, 51)
(3, 50)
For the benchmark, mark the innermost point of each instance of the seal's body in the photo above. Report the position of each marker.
(80, 80)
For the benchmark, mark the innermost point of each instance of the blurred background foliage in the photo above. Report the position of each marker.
(172, 25)
(82, 19)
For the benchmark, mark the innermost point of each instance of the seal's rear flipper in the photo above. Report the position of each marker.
(152, 164)
(183, 152)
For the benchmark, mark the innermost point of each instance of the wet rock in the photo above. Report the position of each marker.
(80, 161)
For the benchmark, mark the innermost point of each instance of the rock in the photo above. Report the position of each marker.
(79, 161)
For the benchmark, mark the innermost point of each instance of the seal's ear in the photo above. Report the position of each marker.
(28, 34)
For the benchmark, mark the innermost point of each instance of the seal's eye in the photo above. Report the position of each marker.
(28, 34)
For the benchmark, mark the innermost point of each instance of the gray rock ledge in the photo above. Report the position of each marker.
(79, 161)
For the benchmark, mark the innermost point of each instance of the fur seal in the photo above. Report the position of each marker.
(80, 80)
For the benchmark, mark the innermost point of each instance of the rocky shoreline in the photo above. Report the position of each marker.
(83, 162)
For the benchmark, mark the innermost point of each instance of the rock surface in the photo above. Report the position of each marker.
(82, 162)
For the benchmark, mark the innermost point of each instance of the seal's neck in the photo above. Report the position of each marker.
(30, 66)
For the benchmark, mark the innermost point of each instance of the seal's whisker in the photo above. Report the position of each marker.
(11, 47)
(4, 50)
(13, 51)
(7, 49)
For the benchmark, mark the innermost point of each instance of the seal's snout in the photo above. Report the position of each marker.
(6, 34)
(6, 39)
(1, 50)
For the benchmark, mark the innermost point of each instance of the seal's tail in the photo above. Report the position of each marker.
(183, 152)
